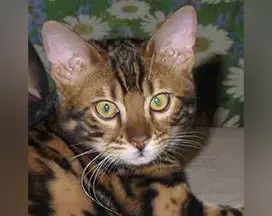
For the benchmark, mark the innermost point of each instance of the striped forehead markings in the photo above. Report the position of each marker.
(126, 62)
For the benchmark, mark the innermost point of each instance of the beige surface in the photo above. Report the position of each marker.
(217, 175)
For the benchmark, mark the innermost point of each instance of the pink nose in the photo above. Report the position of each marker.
(139, 145)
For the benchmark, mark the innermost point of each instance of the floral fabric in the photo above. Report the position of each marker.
(220, 30)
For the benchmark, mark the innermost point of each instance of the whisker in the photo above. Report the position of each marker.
(115, 163)
(97, 167)
(83, 187)
(186, 145)
(112, 160)
(96, 175)
(177, 153)
(180, 141)
(83, 175)
(190, 132)
(190, 136)
(89, 171)
(77, 144)
(167, 156)
(94, 159)
(84, 153)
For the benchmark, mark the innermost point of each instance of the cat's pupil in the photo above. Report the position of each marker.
(157, 101)
(106, 107)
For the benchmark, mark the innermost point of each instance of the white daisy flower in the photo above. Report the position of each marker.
(151, 23)
(214, 1)
(88, 27)
(129, 9)
(235, 81)
(223, 118)
(41, 52)
(209, 41)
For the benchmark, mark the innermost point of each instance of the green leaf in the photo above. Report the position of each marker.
(99, 6)
(160, 5)
(59, 9)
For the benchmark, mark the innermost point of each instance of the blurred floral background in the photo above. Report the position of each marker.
(220, 31)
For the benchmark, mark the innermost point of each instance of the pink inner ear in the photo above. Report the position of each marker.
(178, 32)
(61, 44)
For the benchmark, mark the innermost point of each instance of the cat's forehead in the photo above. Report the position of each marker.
(129, 67)
(125, 61)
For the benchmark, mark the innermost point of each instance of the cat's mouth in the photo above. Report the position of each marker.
(141, 154)
(133, 156)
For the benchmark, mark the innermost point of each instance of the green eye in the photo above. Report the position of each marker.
(160, 102)
(106, 109)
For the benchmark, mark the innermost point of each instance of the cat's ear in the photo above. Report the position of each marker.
(176, 36)
(70, 56)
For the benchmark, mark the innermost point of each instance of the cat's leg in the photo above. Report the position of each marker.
(167, 193)
(177, 200)
(218, 210)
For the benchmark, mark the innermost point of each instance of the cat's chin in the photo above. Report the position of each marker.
(138, 159)
(142, 160)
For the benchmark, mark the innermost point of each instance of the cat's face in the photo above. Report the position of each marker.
(133, 98)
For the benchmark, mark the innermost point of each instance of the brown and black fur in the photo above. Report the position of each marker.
(54, 186)
(66, 146)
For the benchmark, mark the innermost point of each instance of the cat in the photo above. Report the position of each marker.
(124, 115)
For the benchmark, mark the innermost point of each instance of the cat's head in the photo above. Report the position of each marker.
(129, 101)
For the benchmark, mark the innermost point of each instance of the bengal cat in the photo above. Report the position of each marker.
(124, 114)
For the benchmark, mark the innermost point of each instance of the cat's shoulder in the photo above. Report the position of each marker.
(54, 177)
(46, 149)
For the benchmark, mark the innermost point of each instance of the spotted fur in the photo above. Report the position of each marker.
(82, 164)
(54, 186)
